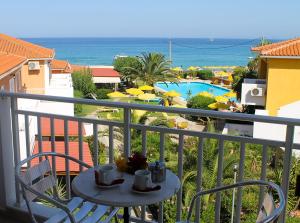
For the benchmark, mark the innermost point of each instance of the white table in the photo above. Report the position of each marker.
(84, 186)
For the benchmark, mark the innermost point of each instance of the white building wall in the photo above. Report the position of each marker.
(247, 98)
(276, 131)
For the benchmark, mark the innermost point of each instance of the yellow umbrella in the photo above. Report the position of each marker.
(146, 88)
(206, 94)
(172, 94)
(116, 94)
(192, 68)
(230, 94)
(223, 73)
(221, 99)
(230, 78)
(134, 91)
(177, 69)
(146, 97)
(218, 105)
(213, 106)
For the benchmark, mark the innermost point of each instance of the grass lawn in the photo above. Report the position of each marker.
(87, 109)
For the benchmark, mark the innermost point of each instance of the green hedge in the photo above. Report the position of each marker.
(102, 93)
(78, 107)
(205, 74)
(200, 102)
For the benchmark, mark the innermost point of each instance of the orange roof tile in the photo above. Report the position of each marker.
(59, 127)
(8, 62)
(61, 65)
(104, 72)
(60, 148)
(288, 48)
(22, 48)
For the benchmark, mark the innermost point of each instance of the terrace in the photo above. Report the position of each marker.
(11, 115)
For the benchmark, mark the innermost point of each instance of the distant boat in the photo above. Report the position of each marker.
(211, 39)
(120, 56)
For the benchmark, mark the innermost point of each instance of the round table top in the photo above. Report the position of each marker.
(85, 187)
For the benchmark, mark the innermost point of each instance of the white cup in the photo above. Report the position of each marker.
(107, 173)
(142, 179)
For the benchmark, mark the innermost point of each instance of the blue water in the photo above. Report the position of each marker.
(195, 87)
(185, 51)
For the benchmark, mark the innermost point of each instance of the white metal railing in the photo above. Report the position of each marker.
(127, 125)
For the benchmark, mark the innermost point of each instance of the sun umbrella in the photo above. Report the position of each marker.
(146, 88)
(221, 99)
(206, 94)
(172, 94)
(192, 68)
(223, 73)
(146, 97)
(116, 94)
(230, 94)
(218, 105)
(177, 69)
(134, 91)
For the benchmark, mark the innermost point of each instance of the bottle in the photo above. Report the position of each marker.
(158, 171)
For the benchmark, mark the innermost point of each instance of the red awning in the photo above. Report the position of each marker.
(104, 72)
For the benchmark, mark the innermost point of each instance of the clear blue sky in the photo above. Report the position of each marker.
(155, 18)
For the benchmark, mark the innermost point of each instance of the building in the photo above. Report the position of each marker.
(10, 72)
(277, 89)
(105, 75)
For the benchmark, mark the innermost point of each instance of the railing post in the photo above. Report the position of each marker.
(7, 174)
(288, 151)
(127, 134)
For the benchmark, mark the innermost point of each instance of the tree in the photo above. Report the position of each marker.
(154, 68)
(121, 65)
(83, 81)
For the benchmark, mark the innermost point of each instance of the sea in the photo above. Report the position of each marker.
(185, 52)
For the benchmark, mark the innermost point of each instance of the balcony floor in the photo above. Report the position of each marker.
(6, 219)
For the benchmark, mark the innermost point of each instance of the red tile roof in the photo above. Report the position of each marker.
(9, 62)
(104, 72)
(59, 127)
(22, 48)
(288, 48)
(60, 148)
(61, 66)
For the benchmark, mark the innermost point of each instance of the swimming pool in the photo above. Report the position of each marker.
(195, 87)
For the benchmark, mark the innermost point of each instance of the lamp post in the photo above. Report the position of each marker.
(235, 170)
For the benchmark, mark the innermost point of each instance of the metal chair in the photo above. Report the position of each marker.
(269, 212)
(36, 180)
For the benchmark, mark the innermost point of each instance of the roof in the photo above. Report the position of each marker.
(60, 148)
(78, 67)
(289, 48)
(9, 62)
(61, 65)
(59, 127)
(23, 48)
(104, 72)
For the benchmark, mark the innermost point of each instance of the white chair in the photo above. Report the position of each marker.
(269, 212)
(36, 180)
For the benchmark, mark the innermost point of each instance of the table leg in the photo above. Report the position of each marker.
(126, 215)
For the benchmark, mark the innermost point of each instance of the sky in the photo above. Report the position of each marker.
(275, 19)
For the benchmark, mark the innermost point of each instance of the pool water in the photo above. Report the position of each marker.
(194, 87)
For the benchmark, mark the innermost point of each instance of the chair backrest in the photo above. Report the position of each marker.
(267, 207)
(269, 212)
(39, 178)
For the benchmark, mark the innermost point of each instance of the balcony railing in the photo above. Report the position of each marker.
(11, 115)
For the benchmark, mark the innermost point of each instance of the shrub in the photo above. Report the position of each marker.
(200, 102)
(78, 107)
(205, 74)
(102, 93)
(83, 81)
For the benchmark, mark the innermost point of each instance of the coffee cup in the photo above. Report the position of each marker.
(142, 179)
(107, 173)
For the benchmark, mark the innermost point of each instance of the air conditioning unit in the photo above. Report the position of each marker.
(33, 65)
(257, 92)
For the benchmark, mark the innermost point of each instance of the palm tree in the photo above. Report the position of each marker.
(154, 68)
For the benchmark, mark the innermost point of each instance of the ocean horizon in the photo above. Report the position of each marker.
(185, 51)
